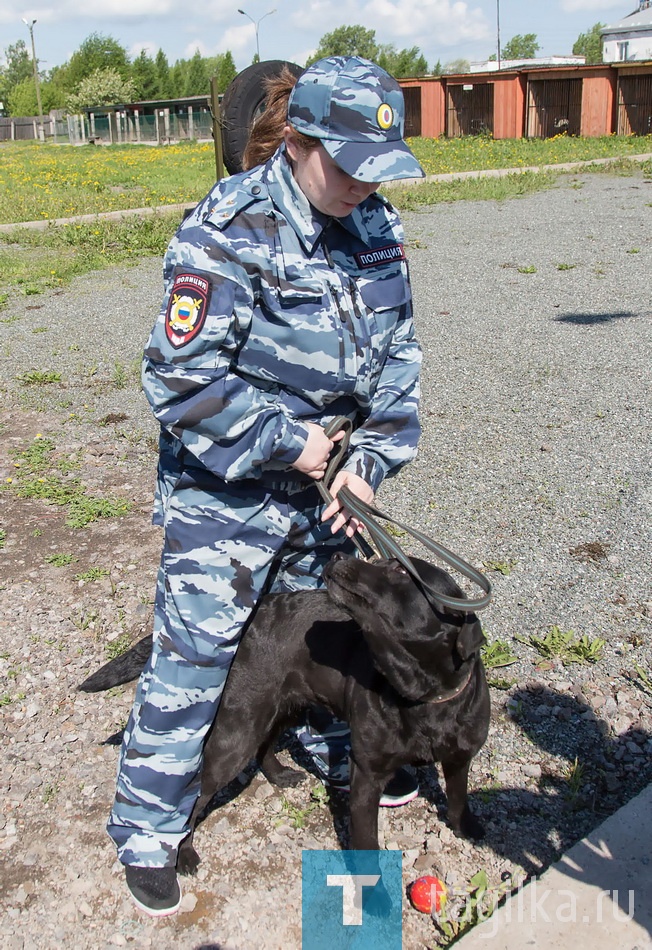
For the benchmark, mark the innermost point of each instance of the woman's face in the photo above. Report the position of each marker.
(327, 188)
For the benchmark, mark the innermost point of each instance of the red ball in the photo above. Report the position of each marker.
(427, 893)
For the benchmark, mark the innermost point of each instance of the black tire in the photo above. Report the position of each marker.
(243, 100)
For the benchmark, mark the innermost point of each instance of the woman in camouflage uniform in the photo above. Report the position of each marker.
(287, 304)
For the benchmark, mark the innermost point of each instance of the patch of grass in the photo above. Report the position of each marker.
(566, 646)
(643, 680)
(482, 152)
(565, 266)
(3, 538)
(93, 574)
(529, 269)
(501, 567)
(574, 775)
(35, 478)
(33, 261)
(60, 560)
(117, 647)
(497, 654)
(517, 185)
(35, 377)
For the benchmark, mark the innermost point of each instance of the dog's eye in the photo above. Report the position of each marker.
(399, 568)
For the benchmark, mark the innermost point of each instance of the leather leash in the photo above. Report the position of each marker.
(386, 545)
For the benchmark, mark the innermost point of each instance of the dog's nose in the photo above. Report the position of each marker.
(338, 556)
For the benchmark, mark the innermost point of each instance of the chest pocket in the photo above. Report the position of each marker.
(385, 299)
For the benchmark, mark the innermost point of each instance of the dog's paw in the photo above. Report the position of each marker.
(286, 777)
(187, 861)
(470, 827)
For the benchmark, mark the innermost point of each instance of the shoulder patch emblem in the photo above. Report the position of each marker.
(380, 255)
(187, 308)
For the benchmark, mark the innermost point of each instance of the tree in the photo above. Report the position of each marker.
(402, 63)
(589, 44)
(347, 41)
(144, 76)
(197, 82)
(23, 100)
(456, 66)
(163, 74)
(104, 87)
(18, 68)
(521, 47)
(95, 53)
(178, 78)
(226, 71)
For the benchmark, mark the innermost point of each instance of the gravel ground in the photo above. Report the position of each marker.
(534, 464)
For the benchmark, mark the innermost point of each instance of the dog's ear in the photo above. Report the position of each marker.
(470, 638)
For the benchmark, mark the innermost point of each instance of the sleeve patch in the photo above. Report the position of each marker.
(380, 255)
(187, 309)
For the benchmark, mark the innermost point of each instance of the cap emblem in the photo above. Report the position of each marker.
(385, 116)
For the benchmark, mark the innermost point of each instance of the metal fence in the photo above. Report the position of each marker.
(121, 128)
(635, 105)
(554, 107)
(470, 109)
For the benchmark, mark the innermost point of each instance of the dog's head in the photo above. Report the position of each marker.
(418, 647)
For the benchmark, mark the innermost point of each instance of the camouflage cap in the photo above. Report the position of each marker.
(356, 110)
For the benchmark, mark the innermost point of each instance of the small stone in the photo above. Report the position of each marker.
(118, 940)
(188, 903)
(532, 771)
(85, 909)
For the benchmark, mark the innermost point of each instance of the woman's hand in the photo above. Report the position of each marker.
(314, 458)
(358, 487)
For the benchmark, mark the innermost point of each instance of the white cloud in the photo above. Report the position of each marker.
(579, 6)
(420, 23)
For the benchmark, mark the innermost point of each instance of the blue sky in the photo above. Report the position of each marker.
(443, 29)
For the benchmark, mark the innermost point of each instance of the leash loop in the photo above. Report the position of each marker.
(386, 545)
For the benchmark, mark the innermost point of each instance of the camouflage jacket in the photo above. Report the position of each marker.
(275, 315)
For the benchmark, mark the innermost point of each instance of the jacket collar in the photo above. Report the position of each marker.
(306, 221)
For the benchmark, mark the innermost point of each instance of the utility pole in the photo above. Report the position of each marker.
(41, 130)
(498, 30)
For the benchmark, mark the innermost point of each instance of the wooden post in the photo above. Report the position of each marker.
(217, 130)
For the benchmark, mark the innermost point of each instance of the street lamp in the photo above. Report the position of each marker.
(30, 27)
(255, 23)
(498, 29)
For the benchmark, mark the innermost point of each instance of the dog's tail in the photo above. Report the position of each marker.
(120, 670)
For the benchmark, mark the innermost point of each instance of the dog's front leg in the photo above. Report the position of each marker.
(460, 817)
(366, 790)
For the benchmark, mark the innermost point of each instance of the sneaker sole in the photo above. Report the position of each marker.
(384, 801)
(396, 802)
(152, 912)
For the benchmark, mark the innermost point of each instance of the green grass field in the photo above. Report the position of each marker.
(44, 182)
(41, 182)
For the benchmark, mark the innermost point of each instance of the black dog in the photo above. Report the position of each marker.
(407, 677)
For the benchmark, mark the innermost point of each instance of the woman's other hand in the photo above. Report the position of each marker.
(358, 487)
(314, 458)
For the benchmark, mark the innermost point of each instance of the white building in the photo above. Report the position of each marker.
(491, 65)
(629, 39)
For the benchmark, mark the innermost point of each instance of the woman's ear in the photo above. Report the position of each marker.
(291, 145)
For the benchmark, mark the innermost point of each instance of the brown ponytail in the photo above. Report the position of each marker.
(267, 131)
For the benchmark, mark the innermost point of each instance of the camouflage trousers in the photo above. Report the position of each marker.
(220, 551)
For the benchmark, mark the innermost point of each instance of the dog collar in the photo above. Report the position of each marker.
(451, 694)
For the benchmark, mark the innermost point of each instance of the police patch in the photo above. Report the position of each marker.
(187, 308)
(380, 255)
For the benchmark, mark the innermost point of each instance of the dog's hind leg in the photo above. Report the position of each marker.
(460, 817)
(274, 772)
